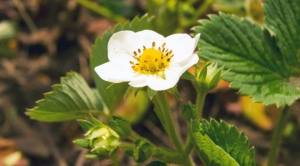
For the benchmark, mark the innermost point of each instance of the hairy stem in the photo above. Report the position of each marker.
(164, 114)
(199, 108)
(276, 137)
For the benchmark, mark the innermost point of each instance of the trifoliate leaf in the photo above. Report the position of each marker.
(283, 18)
(249, 52)
(220, 144)
(114, 94)
(72, 99)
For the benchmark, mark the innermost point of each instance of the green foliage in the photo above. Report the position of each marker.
(255, 63)
(220, 144)
(120, 126)
(99, 56)
(71, 99)
(283, 18)
(142, 150)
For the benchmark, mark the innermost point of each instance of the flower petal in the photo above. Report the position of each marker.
(158, 84)
(113, 73)
(182, 67)
(182, 45)
(146, 37)
(121, 46)
(138, 81)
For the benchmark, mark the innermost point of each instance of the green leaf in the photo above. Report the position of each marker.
(221, 144)
(283, 18)
(249, 52)
(72, 99)
(112, 96)
(86, 125)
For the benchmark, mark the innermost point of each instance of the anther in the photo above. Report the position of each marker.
(131, 62)
(139, 50)
(168, 59)
(163, 45)
(135, 53)
(144, 48)
(153, 44)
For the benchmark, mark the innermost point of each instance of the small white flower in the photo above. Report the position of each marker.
(146, 58)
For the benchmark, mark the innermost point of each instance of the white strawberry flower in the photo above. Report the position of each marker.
(146, 58)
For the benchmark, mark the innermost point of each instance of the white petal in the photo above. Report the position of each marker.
(158, 84)
(113, 73)
(182, 67)
(121, 46)
(146, 37)
(182, 46)
(138, 81)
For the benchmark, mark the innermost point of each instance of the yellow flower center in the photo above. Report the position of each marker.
(152, 61)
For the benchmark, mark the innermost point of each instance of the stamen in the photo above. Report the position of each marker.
(151, 60)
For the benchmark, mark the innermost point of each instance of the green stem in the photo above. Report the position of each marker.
(199, 107)
(101, 10)
(200, 103)
(277, 136)
(115, 159)
(163, 154)
(164, 114)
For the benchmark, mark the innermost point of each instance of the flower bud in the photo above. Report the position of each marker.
(188, 111)
(102, 140)
(209, 76)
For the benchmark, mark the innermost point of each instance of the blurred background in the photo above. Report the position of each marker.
(42, 40)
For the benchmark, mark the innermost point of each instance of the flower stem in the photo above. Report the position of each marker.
(164, 114)
(199, 108)
(163, 154)
(277, 136)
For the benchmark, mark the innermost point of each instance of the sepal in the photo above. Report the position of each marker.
(121, 126)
